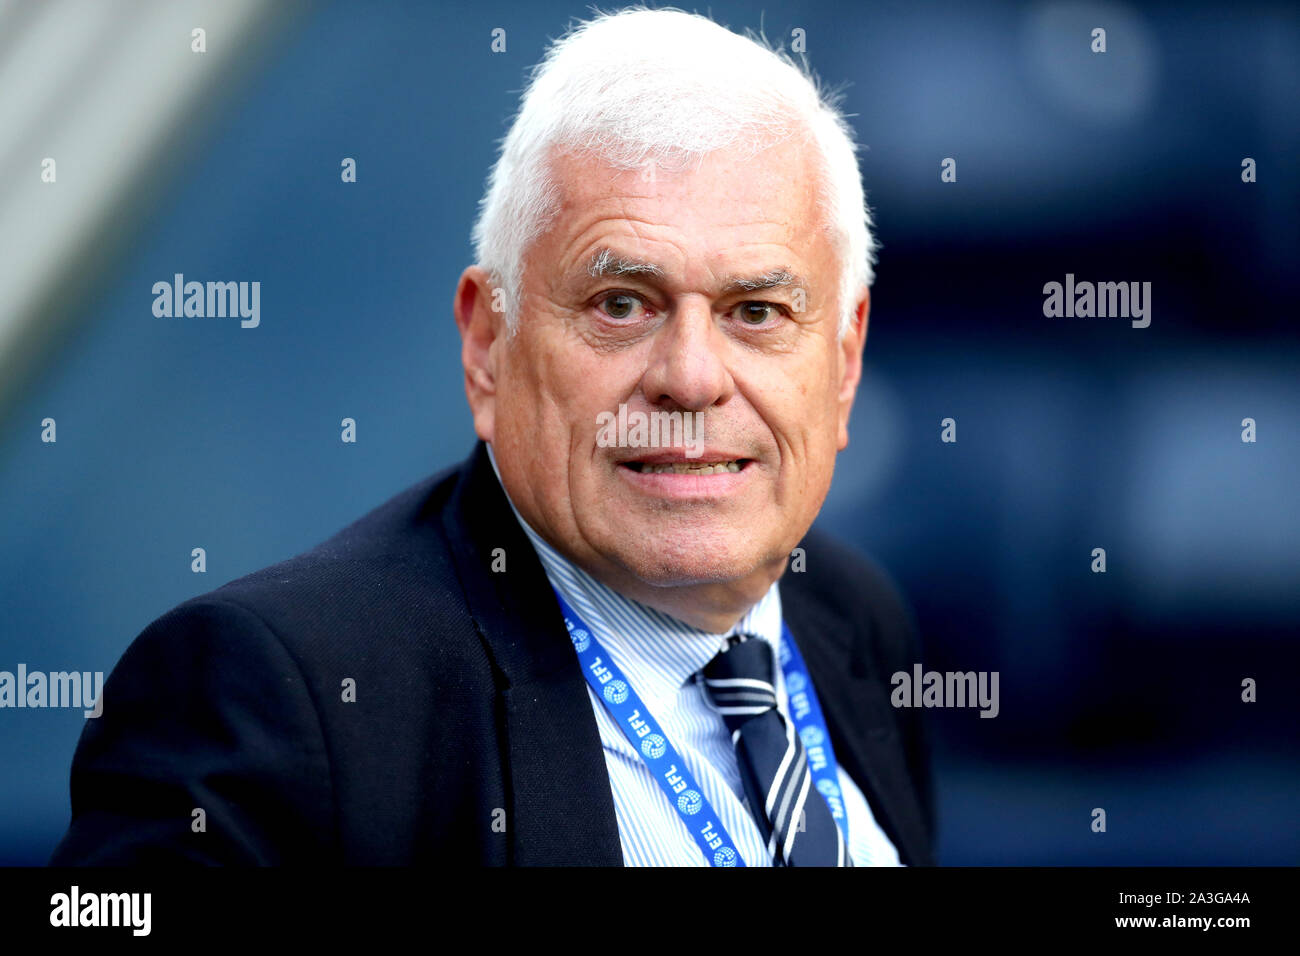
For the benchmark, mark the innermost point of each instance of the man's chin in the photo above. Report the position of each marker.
(686, 561)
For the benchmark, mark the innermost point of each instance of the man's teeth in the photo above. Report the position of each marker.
(684, 468)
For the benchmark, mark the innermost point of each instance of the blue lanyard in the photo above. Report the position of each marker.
(811, 727)
(666, 765)
(648, 739)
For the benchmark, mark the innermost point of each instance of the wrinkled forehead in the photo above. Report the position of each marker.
(737, 203)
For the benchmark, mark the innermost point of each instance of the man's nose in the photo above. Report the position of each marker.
(686, 366)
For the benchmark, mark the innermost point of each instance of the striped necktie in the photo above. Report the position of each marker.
(772, 760)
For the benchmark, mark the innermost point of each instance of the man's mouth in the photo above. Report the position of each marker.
(688, 467)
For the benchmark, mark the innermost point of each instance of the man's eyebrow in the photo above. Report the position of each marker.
(607, 262)
(772, 279)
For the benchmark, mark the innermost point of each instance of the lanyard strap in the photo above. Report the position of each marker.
(648, 739)
(666, 765)
(806, 712)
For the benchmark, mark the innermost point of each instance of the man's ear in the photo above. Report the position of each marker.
(480, 327)
(851, 345)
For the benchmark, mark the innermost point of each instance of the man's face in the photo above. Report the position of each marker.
(674, 324)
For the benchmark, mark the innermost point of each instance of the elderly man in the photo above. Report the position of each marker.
(609, 637)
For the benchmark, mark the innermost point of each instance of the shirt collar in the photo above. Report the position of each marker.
(665, 652)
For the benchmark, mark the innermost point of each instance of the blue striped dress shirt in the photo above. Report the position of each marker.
(661, 656)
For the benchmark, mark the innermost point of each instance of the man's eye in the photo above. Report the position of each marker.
(756, 313)
(619, 305)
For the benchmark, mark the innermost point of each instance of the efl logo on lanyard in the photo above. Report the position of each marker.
(811, 727)
(644, 733)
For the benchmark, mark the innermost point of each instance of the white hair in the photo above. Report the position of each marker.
(664, 87)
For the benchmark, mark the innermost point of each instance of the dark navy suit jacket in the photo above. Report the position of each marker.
(471, 739)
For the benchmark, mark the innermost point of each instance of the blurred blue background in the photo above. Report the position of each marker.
(1118, 690)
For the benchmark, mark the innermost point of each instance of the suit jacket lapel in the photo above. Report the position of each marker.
(563, 808)
(855, 702)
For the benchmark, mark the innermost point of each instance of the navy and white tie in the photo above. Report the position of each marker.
(772, 760)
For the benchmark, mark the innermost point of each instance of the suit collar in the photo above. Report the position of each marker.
(562, 807)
